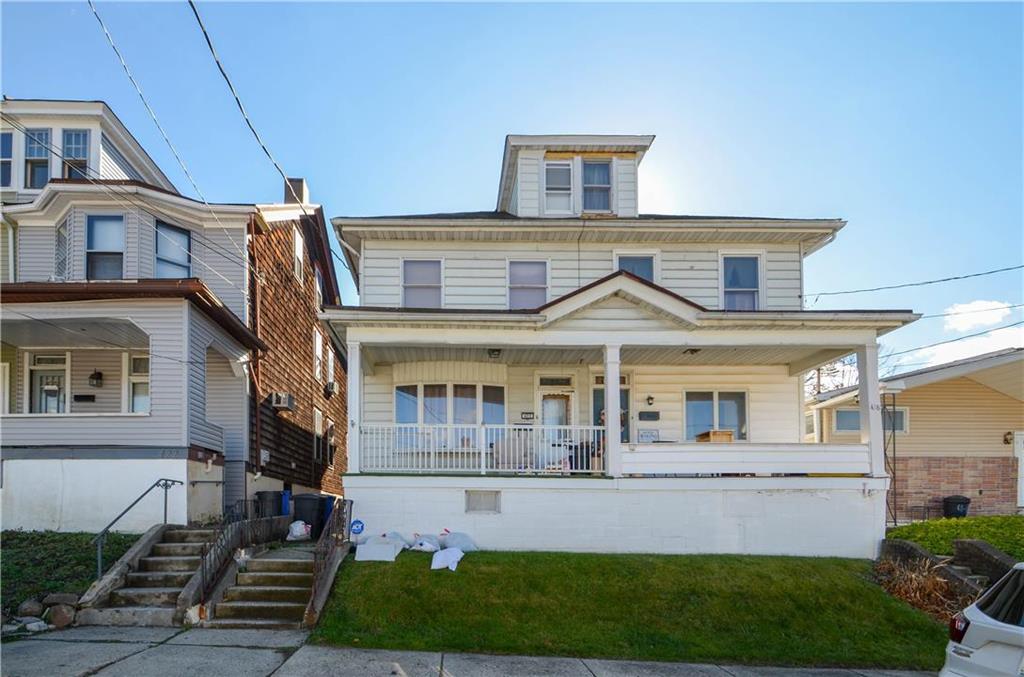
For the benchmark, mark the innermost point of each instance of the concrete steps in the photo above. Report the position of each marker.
(158, 579)
(145, 596)
(188, 536)
(177, 549)
(272, 592)
(169, 563)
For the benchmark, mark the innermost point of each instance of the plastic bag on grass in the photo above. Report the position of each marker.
(298, 531)
(426, 543)
(446, 559)
(457, 539)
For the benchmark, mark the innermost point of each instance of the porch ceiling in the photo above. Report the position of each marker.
(73, 333)
(631, 355)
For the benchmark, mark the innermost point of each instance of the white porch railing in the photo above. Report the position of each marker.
(746, 458)
(483, 449)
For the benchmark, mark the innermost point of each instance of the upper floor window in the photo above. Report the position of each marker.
(6, 156)
(318, 354)
(421, 284)
(741, 282)
(558, 188)
(104, 248)
(60, 251)
(297, 253)
(37, 157)
(318, 435)
(527, 284)
(318, 288)
(173, 251)
(597, 186)
(641, 265)
(330, 362)
(76, 153)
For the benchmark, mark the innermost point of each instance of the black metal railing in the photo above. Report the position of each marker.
(337, 531)
(101, 538)
(243, 524)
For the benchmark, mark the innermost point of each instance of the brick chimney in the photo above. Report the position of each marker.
(299, 187)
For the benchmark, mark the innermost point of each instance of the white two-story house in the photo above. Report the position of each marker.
(488, 346)
(134, 334)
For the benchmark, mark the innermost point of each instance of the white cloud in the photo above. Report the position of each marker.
(1010, 337)
(976, 314)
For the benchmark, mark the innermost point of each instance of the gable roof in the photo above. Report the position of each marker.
(934, 374)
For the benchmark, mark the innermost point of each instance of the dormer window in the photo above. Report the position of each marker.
(597, 186)
(37, 158)
(558, 188)
(76, 153)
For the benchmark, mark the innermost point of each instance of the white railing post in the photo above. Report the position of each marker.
(354, 394)
(612, 421)
(870, 407)
(482, 443)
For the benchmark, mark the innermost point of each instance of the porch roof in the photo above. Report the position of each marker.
(88, 333)
(191, 289)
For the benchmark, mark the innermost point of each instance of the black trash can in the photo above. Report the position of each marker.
(955, 506)
(309, 508)
(269, 503)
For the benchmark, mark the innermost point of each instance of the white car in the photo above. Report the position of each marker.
(987, 638)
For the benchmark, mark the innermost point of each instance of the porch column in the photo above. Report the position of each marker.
(870, 406)
(612, 422)
(354, 393)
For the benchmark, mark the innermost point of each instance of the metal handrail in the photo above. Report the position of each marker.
(336, 531)
(101, 538)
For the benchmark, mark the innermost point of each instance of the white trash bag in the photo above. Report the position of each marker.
(298, 531)
(446, 559)
(457, 539)
(425, 543)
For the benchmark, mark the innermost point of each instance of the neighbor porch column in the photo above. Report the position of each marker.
(870, 406)
(612, 422)
(354, 393)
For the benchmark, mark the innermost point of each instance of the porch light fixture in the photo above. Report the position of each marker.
(650, 400)
(96, 379)
(494, 353)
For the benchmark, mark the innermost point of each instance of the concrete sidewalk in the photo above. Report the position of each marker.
(156, 652)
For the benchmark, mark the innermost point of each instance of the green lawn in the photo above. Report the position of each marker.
(700, 608)
(1004, 532)
(34, 563)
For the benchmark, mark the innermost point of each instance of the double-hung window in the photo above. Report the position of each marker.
(597, 186)
(6, 157)
(318, 354)
(421, 284)
(715, 410)
(741, 282)
(60, 250)
(173, 251)
(330, 362)
(138, 383)
(318, 288)
(527, 284)
(558, 188)
(298, 251)
(641, 265)
(76, 153)
(318, 435)
(104, 247)
(37, 157)
(329, 441)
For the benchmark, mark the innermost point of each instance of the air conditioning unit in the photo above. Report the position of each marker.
(282, 401)
(332, 388)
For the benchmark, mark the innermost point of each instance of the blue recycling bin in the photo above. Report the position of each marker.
(328, 507)
(286, 502)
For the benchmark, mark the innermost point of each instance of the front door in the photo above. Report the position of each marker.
(47, 395)
(555, 410)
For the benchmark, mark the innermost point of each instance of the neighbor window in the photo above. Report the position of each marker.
(318, 288)
(641, 265)
(6, 157)
(297, 254)
(329, 441)
(527, 284)
(48, 382)
(37, 157)
(60, 251)
(558, 188)
(138, 386)
(318, 354)
(318, 435)
(104, 255)
(330, 361)
(716, 410)
(76, 153)
(421, 284)
(173, 251)
(597, 186)
(741, 282)
(848, 420)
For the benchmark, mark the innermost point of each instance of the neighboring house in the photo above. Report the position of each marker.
(148, 335)
(958, 429)
(489, 343)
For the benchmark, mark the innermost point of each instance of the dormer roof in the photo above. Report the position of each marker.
(595, 143)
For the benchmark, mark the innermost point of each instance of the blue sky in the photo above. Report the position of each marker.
(904, 119)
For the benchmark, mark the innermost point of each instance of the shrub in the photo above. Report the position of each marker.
(918, 584)
(1003, 532)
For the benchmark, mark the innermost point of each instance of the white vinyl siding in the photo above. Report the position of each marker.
(221, 402)
(475, 272)
(113, 164)
(107, 397)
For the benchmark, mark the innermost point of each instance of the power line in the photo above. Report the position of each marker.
(252, 127)
(969, 312)
(915, 284)
(954, 340)
(156, 121)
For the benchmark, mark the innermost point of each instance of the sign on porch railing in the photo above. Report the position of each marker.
(483, 449)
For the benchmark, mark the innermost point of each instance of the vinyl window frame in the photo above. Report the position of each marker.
(848, 431)
(156, 248)
(655, 255)
(450, 400)
(73, 163)
(714, 409)
(124, 240)
(7, 160)
(508, 279)
(402, 283)
(29, 365)
(571, 193)
(34, 160)
(761, 256)
(130, 378)
(610, 186)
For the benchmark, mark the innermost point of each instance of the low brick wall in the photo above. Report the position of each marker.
(982, 558)
(900, 550)
(921, 482)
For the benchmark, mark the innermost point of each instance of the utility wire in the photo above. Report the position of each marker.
(915, 284)
(156, 121)
(969, 312)
(954, 340)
